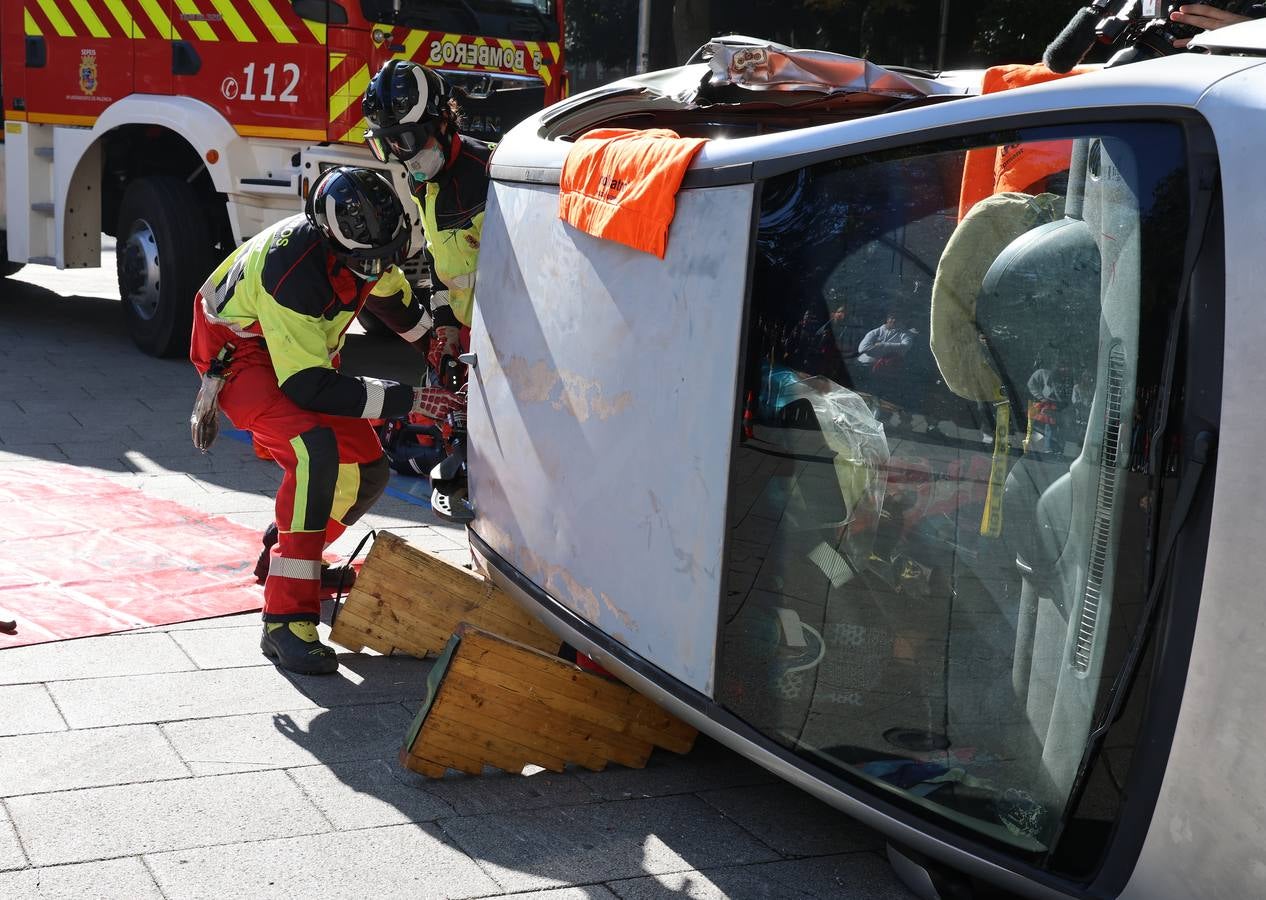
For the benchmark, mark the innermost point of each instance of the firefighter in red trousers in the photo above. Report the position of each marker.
(270, 320)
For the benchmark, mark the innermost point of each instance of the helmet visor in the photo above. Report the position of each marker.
(400, 141)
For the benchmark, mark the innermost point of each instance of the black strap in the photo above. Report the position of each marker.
(338, 595)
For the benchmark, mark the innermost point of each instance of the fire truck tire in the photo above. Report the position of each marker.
(163, 257)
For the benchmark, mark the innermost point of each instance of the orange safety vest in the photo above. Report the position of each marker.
(621, 184)
(1015, 167)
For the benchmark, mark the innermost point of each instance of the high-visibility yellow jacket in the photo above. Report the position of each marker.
(285, 288)
(452, 209)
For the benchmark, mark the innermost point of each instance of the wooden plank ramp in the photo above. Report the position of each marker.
(491, 701)
(410, 601)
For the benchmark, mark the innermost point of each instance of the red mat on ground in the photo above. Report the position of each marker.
(81, 555)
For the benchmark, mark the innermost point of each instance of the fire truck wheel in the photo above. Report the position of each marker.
(163, 258)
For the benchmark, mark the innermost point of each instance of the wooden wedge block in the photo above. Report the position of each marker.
(496, 702)
(411, 601)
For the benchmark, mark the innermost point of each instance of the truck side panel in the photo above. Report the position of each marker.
(12, 68)
(256, 62)
(76, 58)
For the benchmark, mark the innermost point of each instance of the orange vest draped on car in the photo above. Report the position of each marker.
(621, 184)
(1015, 167)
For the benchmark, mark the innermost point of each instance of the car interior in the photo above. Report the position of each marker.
(938, 501)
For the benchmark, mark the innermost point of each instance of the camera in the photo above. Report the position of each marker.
(1145, 29)
(1141, 28)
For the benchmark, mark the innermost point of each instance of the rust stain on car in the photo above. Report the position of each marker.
(582, 398)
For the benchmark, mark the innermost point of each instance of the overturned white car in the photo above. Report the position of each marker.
(897, 472)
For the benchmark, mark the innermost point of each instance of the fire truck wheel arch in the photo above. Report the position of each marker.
(204, 129)
(201, 126)
(159, 264)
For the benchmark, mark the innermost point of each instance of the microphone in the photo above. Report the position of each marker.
(1073, 43)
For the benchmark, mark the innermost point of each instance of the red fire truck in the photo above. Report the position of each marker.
(183, 127)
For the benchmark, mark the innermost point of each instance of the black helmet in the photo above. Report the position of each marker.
(404, 105)
(361, 217)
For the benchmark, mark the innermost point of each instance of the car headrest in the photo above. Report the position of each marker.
(1039, 296)
(987, 230)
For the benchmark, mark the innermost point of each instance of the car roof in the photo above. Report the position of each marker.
(811, 123)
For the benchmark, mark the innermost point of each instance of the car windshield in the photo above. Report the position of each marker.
(939, 514)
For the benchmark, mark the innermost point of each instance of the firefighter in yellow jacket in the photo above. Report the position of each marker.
(271, 320)
(413, 118)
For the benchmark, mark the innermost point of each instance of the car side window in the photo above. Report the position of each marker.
(935, 528)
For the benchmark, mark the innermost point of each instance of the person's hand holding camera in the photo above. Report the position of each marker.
(1202, 15)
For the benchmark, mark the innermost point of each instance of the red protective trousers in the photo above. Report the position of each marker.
(334, 471)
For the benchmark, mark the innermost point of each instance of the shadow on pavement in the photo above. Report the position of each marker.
(76, 390)
(707, 825)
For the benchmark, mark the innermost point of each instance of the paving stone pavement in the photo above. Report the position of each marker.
(174, 762)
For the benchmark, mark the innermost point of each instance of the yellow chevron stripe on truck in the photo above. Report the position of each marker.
(239, 28)
(97, 19)
(277, 28)
(201, 30)
(60, 25)
(89, 18)
(160, 20)
(124, 18)
(412, 44)
(349, 93)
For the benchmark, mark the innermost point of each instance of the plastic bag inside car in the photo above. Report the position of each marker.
(853, 438)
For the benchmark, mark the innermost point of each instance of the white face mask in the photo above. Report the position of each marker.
(426, 163)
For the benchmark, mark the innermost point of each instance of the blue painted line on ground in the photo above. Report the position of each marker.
(403, 487)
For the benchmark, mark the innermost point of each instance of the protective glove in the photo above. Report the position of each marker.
(204, 421)
(446, 342)
(435, 402)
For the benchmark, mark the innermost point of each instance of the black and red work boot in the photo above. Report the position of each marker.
(333, 578)
(296, 647)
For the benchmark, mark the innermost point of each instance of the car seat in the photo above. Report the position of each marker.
(1061, 524)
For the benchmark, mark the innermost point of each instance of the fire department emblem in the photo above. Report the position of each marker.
(88, 72)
